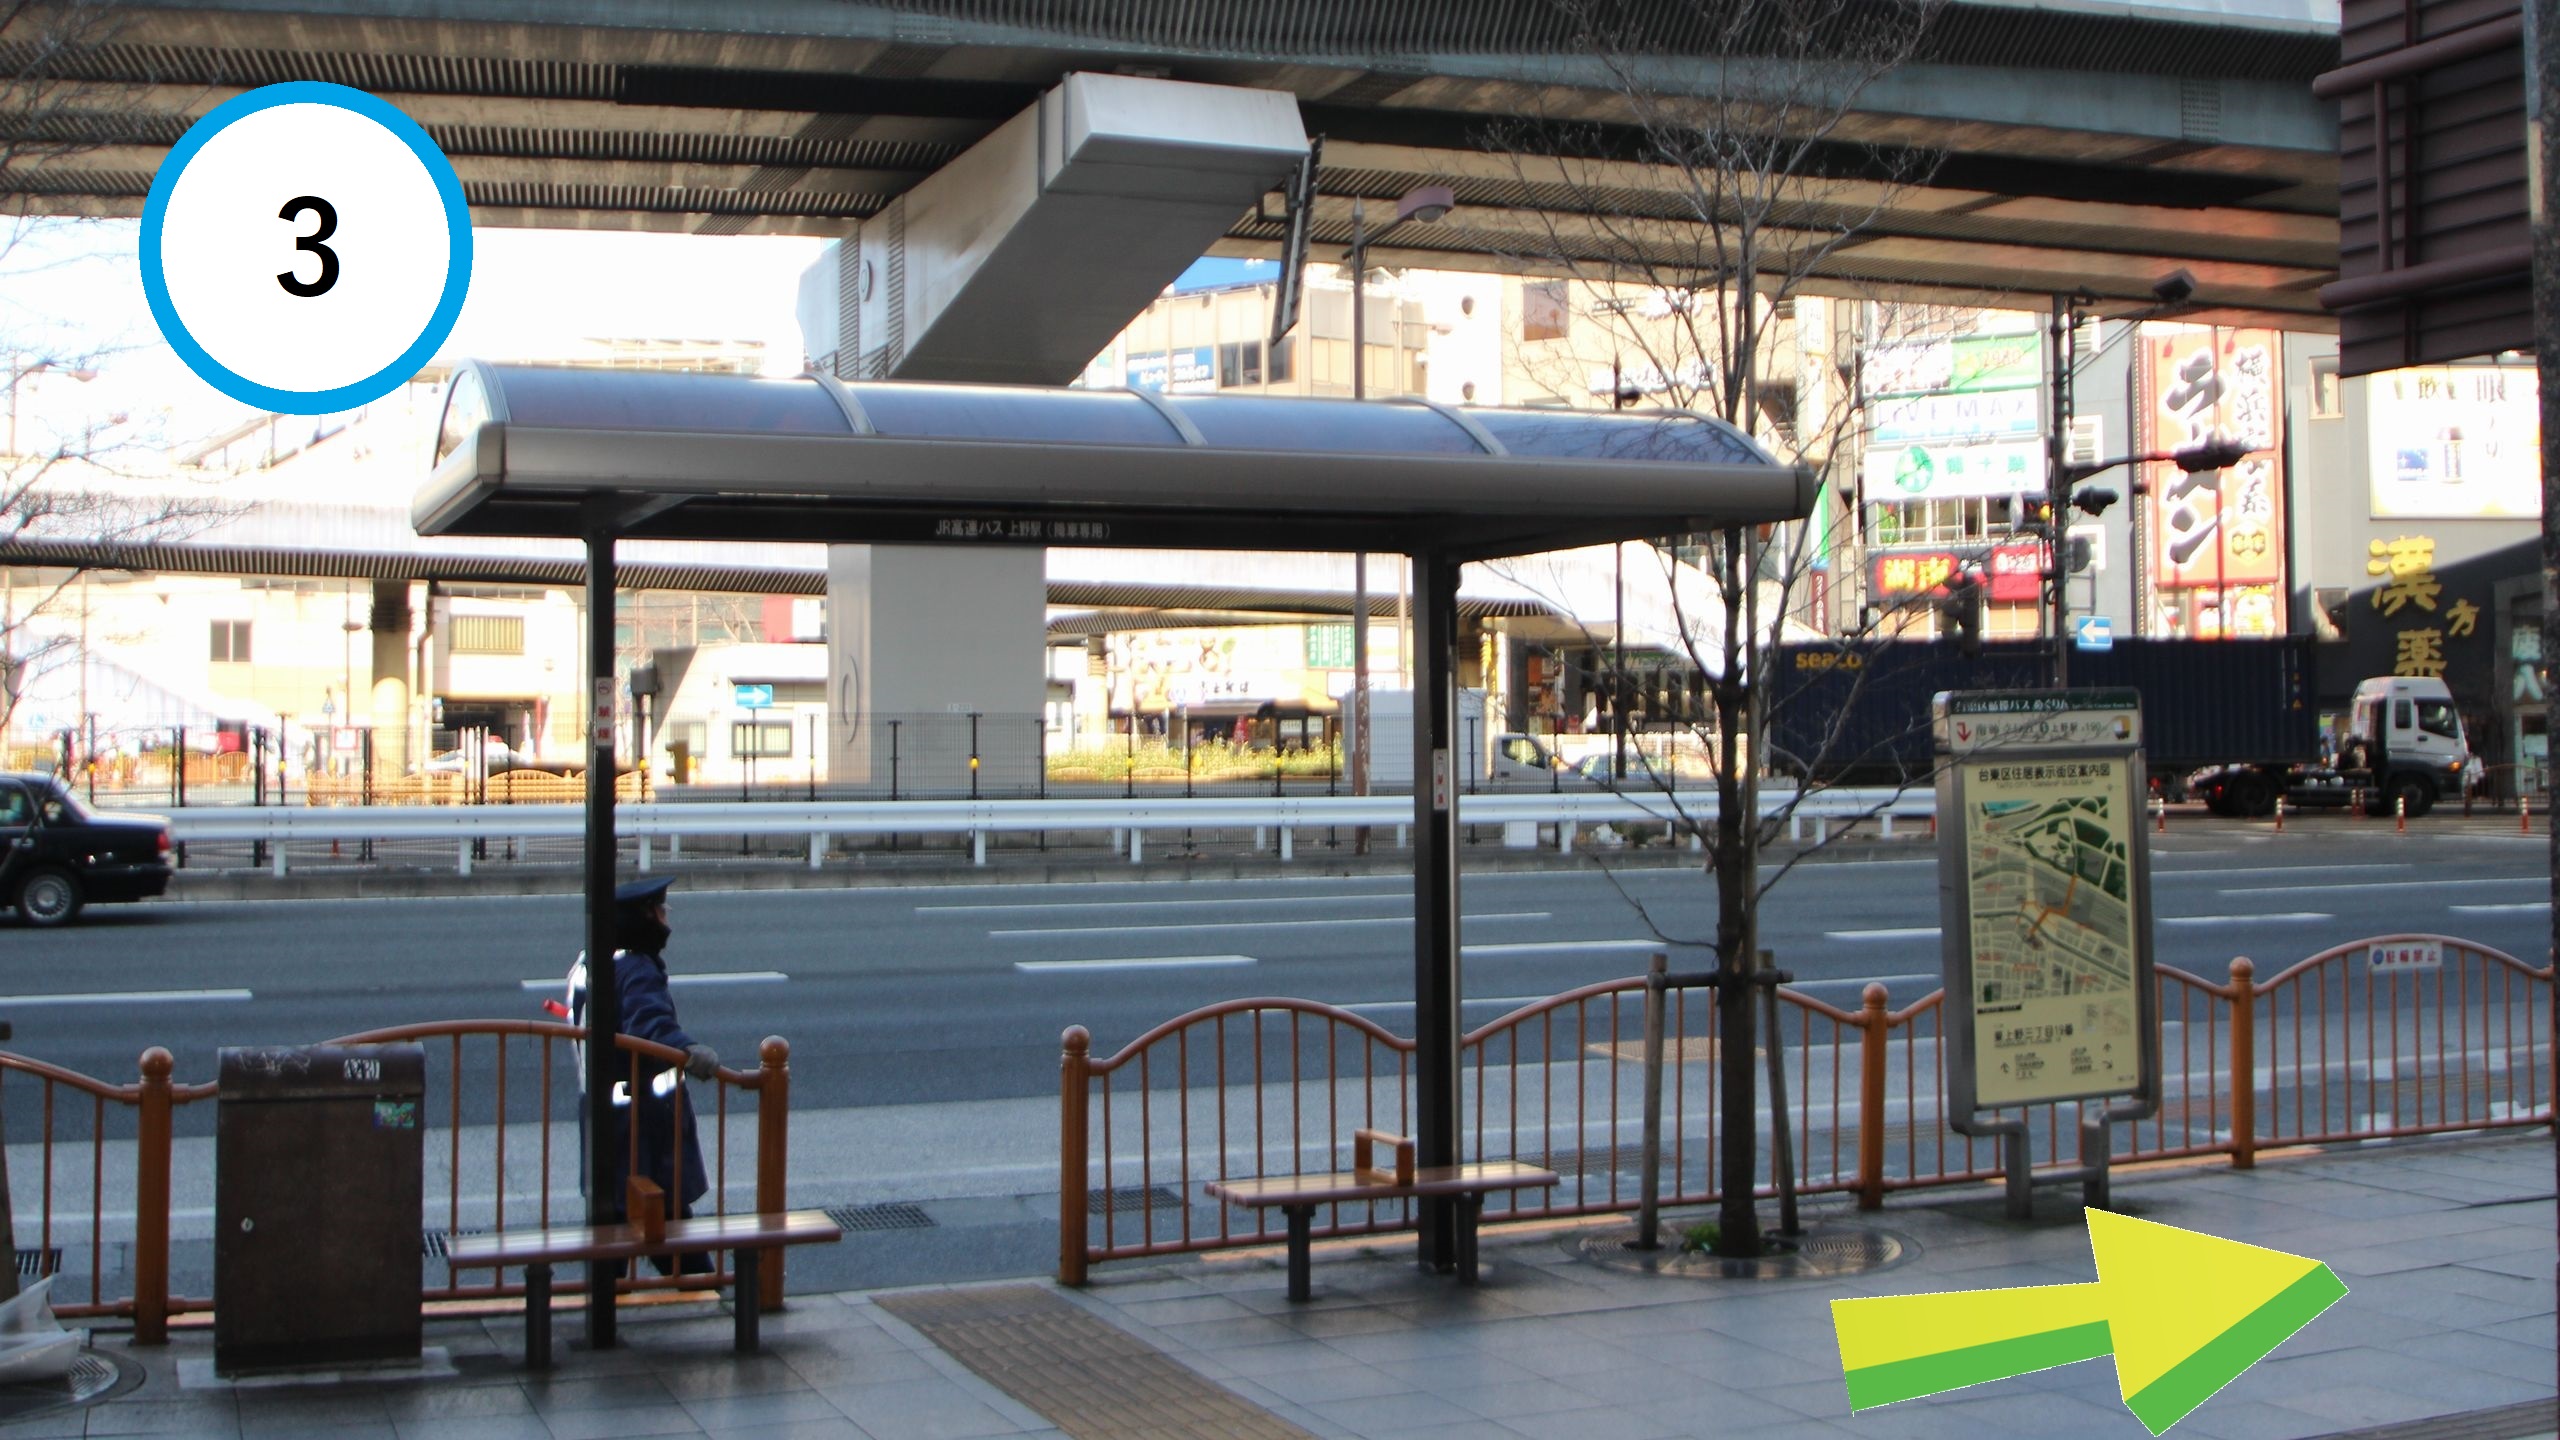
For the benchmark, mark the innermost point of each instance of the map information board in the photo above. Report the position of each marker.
(2055, 954)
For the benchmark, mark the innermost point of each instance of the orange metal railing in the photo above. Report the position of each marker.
(129, 1135)
(2330, 1049)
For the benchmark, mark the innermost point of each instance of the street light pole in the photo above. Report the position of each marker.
(1425, 203)
(1359, 562)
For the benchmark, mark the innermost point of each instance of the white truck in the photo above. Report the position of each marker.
(1500, 760)
(2404, 747)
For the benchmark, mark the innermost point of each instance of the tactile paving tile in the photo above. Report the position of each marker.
(1084, 1374)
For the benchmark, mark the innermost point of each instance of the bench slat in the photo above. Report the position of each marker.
(1256, 1192)
(562, 1243)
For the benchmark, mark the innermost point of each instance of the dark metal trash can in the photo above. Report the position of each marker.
(319, 1165)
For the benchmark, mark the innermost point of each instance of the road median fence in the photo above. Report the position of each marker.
(277, 838)
(2390, 1037)
(503, 1147)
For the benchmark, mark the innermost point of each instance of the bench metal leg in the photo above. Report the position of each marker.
(1470, 1210)
(537, 1317)
(1302, 1220)
(749, 1297)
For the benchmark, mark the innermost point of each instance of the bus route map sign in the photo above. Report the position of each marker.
(2044, 897)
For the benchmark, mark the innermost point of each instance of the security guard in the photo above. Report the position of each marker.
(666, 1126)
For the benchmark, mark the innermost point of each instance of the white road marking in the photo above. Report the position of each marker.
(1382, 897)
(1052, 932)
(2388, 885)
(126, 997)
(1549, 947)
(1863, 981)
(1504, 1000)
(2220, 874)
(1915, 932)
(1151, 962)
(2519, 908)
(707, 977)
(2269, 917)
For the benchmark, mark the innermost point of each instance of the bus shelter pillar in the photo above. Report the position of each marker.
(1435, 893)
(604, 996)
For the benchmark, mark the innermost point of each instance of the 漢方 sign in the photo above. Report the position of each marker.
(2045, 901)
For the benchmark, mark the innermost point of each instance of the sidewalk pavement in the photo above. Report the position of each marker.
(2447, 1248)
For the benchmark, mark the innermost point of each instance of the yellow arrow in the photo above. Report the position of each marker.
(2184, 1314)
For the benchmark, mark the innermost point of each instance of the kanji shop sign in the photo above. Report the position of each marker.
(2218, 530)
(2010, 572)
(2411, 598)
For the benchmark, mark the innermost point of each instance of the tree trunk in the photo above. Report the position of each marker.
(1737, 883)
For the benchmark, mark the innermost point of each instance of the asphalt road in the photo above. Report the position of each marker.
(959, 992)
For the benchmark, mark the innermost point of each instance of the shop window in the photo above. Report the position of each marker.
(1545, 311)
(1239, 363)
(761, 739)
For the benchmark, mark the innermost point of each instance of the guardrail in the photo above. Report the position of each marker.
(512, 1140)
(2442, 1035)
(1128, 821)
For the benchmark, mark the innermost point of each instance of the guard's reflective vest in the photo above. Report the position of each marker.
(663, 1084)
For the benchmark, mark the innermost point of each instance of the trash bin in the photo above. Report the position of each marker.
(318, 1187)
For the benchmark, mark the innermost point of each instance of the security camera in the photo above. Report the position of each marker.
(2175, 288)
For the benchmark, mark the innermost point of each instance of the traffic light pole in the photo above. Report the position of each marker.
(2065, 327)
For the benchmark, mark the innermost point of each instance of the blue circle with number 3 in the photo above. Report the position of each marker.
(457, 279)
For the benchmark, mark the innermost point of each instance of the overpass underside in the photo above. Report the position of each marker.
(2019, 152)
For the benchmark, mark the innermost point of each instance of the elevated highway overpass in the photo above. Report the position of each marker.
(2072, 144)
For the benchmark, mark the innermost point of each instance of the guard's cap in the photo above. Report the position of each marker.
(641, 894)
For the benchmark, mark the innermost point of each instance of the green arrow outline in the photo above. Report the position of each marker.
(1923, 1375)
(2192, 1381)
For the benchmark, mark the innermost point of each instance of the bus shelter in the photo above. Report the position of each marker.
(604, 455)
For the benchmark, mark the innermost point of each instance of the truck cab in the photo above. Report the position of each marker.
(2405, 741)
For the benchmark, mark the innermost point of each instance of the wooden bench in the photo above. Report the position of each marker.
(1297, 1196)
(746, 1237)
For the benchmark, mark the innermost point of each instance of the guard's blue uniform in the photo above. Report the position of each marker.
(650, 1013)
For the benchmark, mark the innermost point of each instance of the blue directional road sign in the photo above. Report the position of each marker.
(2094, 632)
(753, 697)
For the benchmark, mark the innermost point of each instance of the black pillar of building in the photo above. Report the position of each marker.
(604, 997)
(1435, 890)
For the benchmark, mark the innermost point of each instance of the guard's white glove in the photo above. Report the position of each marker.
(700, 1062)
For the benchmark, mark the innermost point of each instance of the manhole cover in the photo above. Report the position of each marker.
(1821, 1251)
(97, 1375)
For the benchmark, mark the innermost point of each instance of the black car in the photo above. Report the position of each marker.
(57, 855)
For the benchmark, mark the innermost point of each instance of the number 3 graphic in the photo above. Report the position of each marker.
(328, 258)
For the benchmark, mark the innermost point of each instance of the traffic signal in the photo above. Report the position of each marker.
(1960, 613)
(2077, 553)
(2218, 453)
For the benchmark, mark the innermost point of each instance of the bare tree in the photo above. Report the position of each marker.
(79, 488)
(1712, 187)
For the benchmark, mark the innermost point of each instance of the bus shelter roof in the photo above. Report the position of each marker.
(525, 450)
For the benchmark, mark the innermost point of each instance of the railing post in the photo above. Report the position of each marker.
(1875, 1030)
(1074, 1077)
(2244, 1064)
(773, 1151)
(151, 1202)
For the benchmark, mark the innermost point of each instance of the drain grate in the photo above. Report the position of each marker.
(95, 1376)
(35, 1263)
(1134, 1197)
(431, 1243)
(899, 1215)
